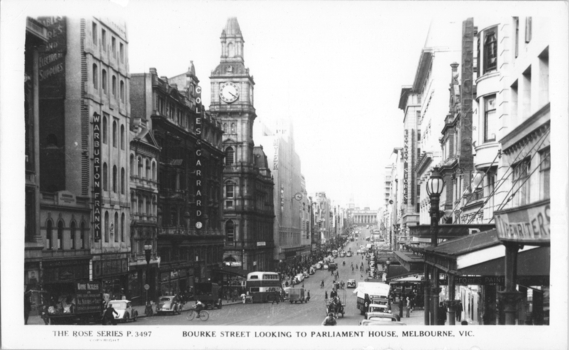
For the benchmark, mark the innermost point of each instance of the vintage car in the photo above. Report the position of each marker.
(169, 303)
(349, 254)
(124, 309)
(299, 278)
(306, 274)
(380, 311)
(351, 283)
(325, 267)
(381, 323)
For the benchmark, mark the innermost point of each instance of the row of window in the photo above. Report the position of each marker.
(111, 229)
(210, 254)
(115, 136)
(105, 83)
(59, 242)
(146, 168)
(114, 182)
(143, 205)
(95, 37)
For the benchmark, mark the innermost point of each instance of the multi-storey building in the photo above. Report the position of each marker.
(84, 120)
(289, 192)
(248, 214)
(323, 216)
(364, 216)
(36, 36)
(188, 173)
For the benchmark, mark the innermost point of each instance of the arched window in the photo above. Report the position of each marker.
(104, 80)
(122, 180)
(115, 178)
(148, 174)
(490, 50)
(60, 235)
(72, 235)
(148, 207)
(105, 177)
(114, 86)
(131, 164)
(229, 154)
(153, 170)
(82, 234)
(233, 128)
(122, 227)
(116, 227)
(230, 50)
(95, 77)
(139, 167)
(229, 231)
(105, 127)
(49, 235)
(106, 226)
(122, 136)
(122, 91)
(224, 127)
(115, 133)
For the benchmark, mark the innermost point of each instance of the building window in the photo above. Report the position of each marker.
(121, 46)
(48, 235)
(114, 86)
(229, 191)
(132, 165)
(82, 236)
(94, 32)
(122, 136)
(104, 80)
(521, 182)
(60, 235)
(545, 168)
(72, 235)
(95, 77)
(105, 127)
(114, 46)
(229, 156)
(106, 226)
(104, 40)
(115, 178)
(122, 227)
(122, 181)
(115, 132)
(490, 127)
(229, 231)
(490, 50)
(122, 91)
(528, 29)
(140, 167)
(116, 227)
(105, 177)
(153, 170)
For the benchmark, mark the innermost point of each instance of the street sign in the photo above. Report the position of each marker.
(146, 287)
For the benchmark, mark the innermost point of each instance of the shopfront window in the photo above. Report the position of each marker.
(545, 169)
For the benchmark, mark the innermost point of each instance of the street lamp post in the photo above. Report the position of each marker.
(147, 252)
(435, 185)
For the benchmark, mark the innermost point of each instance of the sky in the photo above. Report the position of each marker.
(335, 68)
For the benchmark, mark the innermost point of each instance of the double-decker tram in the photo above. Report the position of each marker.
(263, 286)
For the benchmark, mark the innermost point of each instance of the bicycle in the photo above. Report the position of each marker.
(204, 315)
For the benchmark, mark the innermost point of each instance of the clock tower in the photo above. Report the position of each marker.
(247, 182)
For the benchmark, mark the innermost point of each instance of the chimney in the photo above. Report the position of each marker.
(153, 71)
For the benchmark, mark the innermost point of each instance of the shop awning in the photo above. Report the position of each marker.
(535, 262)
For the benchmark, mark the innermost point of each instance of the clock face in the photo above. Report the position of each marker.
(229, 92)
(198, 225)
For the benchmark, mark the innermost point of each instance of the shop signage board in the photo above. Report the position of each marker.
(97, 202)
(88, 297)
(109, 267)
(476, 280)
(529, 224)
(261, 244)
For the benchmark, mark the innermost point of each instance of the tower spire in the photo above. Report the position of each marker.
(232, 42)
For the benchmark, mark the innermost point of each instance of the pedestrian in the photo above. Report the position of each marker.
(442, 315)
(243, 297)
(27, 305)
(408, 307)
(108, 316)
(325, 295)
(459, 311)
(308, 296)
(464, 323)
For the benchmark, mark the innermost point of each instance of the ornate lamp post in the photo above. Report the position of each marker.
(435, 186)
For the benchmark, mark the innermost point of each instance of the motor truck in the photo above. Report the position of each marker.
(371, 293)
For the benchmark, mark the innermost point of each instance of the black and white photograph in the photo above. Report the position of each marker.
(241, 174)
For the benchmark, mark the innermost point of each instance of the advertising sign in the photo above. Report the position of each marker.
(405, 167)
(88, 297)
(528, 224)
(97, 177)
(198, 131)
(51, 62)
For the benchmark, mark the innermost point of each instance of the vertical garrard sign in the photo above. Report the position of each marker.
(466, 97)
(199, 130)
(97, 176)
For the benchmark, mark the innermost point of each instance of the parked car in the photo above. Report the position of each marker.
(299, 278)
(381, 323)
(124, 310)
(349, 254)
(380, 311)
(306, 274)
(169, 303)
(325, 267)
(351, 283)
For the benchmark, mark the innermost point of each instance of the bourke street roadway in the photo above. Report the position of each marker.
(284, 313)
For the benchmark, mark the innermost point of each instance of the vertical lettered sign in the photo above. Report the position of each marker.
(199, 131)
(97, 176)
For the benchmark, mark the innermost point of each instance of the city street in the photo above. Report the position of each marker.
(285, 314)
